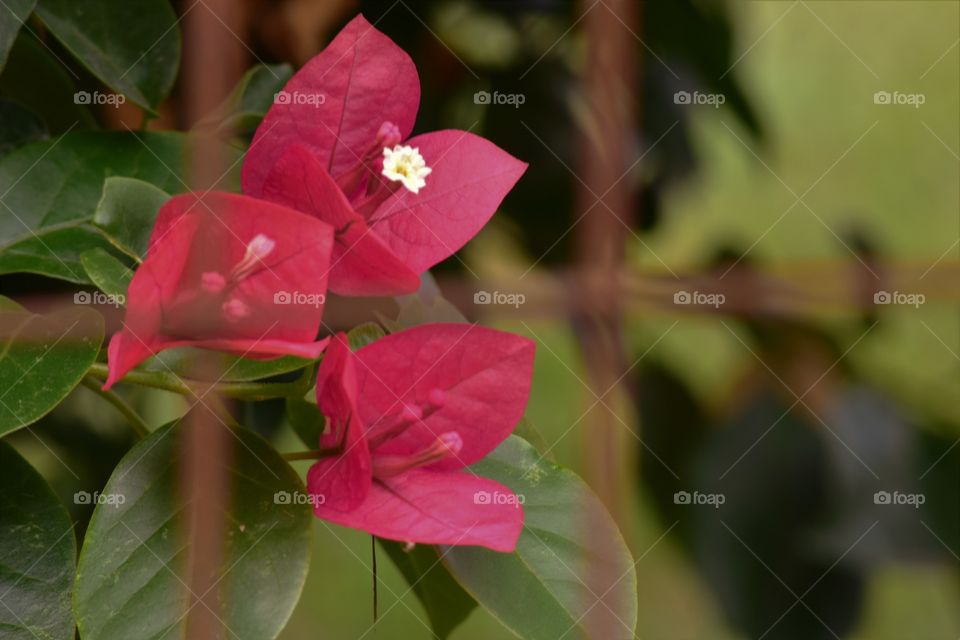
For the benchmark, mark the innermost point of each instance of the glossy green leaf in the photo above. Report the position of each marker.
(134, 565)
(109, 274)
(37, 555)
(53, 188)
(446, 603)
(37, 79)
(571, 575)
(13, 13)
(182, 361)
(18, 126)
(55, 253)
(42, 358)
(134, 47)
(127, 211)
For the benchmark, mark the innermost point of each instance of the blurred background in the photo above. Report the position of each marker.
(738, 249)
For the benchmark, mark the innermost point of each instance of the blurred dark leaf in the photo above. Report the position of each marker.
(37, 554)
(364, 334)
(446, 603)
(133, 47)
(757, 548)
(18, 126)
(307, 421)
(14, 15)
(35, 78)
(251, 98)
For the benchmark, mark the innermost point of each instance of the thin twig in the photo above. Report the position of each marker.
(134, 420)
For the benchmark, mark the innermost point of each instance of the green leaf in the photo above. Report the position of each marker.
(251, 98)
(307, 421)
(445, 601)
(182, 361)
(569, 554)
(364, 334)
(134, 47)
(42, 358)
(53, 188)
(37, 554)
(127, 211)
(109, 274)
(56, 253)
(135, 560)
(14, 13)
(38, 80)
(18, 126)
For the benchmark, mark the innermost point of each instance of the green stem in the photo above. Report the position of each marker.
(135, 421)
(243, 390)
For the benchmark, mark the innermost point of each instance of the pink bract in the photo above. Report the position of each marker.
(229, 273)
(409, 413)
(342, 109)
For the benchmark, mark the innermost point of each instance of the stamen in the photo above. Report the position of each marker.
(390, 429)
(446, 445)
(212, 282)
(257, 249)
(235, 309)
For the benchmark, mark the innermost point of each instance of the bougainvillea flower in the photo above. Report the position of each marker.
(336, 146)
(230, 273)
(405, 415)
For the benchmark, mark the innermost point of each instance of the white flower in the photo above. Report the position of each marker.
(405, 164)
